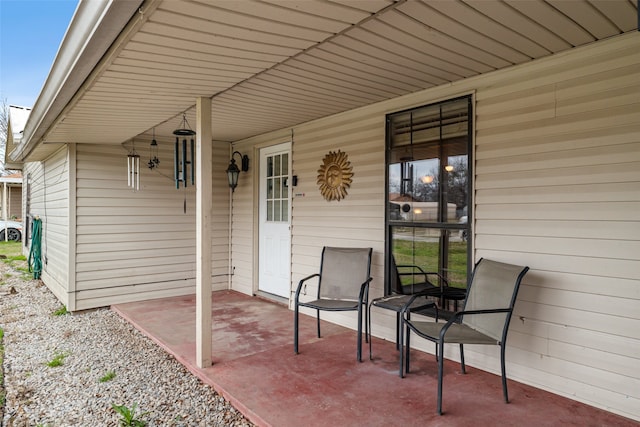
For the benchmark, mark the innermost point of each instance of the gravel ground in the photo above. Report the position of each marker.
(90, 345)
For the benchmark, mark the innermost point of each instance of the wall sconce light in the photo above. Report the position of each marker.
(448, 168)
(233, 172)
(180, 162)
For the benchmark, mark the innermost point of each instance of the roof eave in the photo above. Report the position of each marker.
(93, 29)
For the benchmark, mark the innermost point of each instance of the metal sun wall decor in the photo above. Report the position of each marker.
(334, 176)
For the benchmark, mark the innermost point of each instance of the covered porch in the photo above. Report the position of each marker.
(254, 367)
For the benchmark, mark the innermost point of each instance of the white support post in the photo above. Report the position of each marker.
(5, 197)
(203, 163)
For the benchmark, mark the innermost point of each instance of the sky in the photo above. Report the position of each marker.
(30, 34)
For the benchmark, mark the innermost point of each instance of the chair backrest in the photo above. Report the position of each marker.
(395, 283)
(343, 271)
(494, 285)
(395, 278)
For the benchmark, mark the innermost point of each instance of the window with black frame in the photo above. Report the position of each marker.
(428, 193)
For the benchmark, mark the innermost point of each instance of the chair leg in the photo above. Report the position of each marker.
(440, 345)
(398, 330)
(408, 346)
(359, 345)
(400, 343)
(462, 359)
(318, 317)
(369, 329)
(295, 329)
(504, 373)
(367, 323)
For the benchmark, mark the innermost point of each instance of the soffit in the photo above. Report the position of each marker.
(271, 64)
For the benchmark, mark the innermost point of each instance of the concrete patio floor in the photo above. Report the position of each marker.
(255, 368)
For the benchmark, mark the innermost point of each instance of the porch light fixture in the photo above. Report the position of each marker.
(154, 161)
(233, 172)
(180, 162)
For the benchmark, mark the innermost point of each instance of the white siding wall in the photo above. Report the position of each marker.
(141, 245)
(242, 228)
(49, 182)
(557, 187)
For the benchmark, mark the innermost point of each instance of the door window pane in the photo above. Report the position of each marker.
(276, 211)
(269, 210)
(269, 166)
(276, 186)
(277, 189)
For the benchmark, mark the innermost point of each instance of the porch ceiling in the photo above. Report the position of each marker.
(270, 64)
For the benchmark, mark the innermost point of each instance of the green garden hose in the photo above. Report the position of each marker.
(35, 254)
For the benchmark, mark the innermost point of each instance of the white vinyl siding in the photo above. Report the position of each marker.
(243, 234)
(140, 245)
(49, 182)
(355, 221)
(557, 188)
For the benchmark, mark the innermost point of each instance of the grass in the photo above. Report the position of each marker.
(12, 250)
(58, 360)
(426, 254)
(128, 416)
(107, 377)
(61, 311)
(11, 254)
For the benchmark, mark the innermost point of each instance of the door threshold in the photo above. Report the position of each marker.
(273, 298)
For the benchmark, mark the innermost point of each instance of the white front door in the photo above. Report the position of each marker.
(275, 214)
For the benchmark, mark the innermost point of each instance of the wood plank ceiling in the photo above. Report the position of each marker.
(271, 64)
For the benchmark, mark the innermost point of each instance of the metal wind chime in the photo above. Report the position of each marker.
(154, 161)
(133, 169)
(181, 163)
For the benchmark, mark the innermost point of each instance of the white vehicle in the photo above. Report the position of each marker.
(10, 230)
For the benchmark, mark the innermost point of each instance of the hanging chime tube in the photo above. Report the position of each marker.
(137, 159)
(193, 163)
(133, 171)
(176, 163)
(184, 161)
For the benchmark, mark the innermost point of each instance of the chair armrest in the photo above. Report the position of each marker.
(415, 296)
(301, 282)
(364, 291)
(421, 272)
(457, 315)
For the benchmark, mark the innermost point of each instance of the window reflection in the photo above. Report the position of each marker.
(428, 189)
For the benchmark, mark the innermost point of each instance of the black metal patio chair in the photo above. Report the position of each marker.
(343, 285)
(424, 290)
(484, 318)
(400, 294)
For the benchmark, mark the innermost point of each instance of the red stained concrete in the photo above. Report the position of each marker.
(255, 368)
